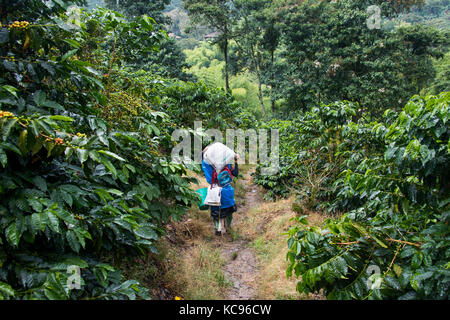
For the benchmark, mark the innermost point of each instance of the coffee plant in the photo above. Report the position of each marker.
(85, 173)
(390, 180)
(278, 185)
(307, 153)
(187, 102)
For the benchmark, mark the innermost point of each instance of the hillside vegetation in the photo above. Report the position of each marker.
(92, 206)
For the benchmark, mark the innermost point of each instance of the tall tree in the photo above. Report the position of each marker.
(257, 37)
(270, 43)
(220, 15)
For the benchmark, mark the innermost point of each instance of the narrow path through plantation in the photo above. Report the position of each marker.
(241, 263)
(248, 262)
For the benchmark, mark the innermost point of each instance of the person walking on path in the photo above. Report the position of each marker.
(223, 215)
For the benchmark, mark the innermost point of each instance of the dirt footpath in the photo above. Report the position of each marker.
(241, 263)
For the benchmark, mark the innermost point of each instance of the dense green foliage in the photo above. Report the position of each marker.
(333, 56)
(391, 179)
(169, 60)
(187, 102)
(89, 100)
(84, 173)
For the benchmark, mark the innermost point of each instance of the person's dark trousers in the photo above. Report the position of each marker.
(227, 213)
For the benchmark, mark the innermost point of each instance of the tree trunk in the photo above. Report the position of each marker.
(255, 63)
(225, 53)
(272, 84)
(260, 96)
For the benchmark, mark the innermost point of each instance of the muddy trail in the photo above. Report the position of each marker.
(241, 263)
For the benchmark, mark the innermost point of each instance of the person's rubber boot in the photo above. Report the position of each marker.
(217, 227)
(229, 220)
(223, 223)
